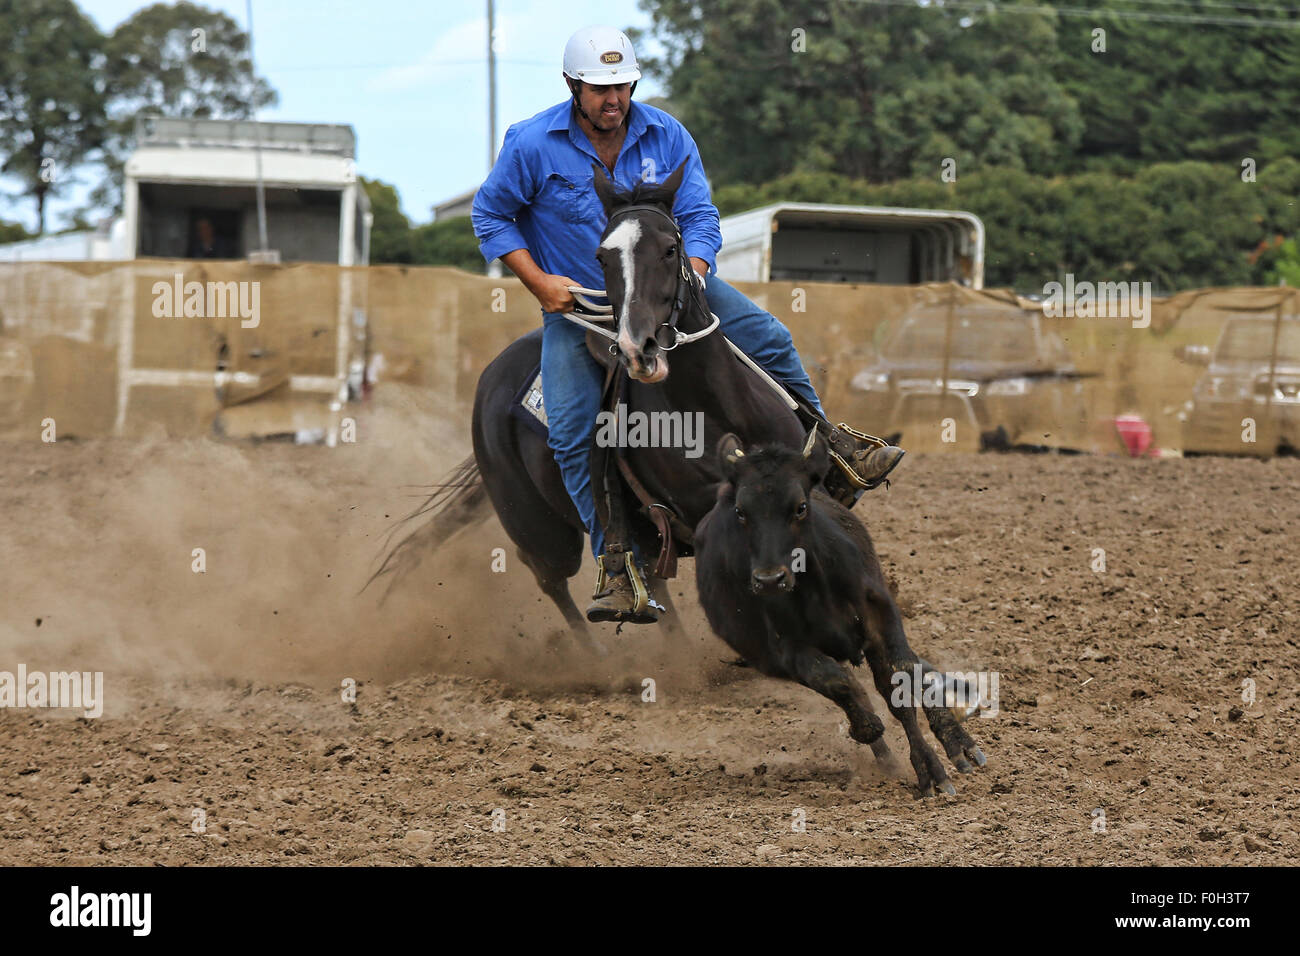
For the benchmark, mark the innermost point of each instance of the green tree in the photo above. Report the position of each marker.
(1169, 90)
(447, 242)
(390, 232)
(12, 232)
(52, 113)
(1286, 267)
(769, 87)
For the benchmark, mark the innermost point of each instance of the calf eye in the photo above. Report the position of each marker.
(802, 511)
(740, 515)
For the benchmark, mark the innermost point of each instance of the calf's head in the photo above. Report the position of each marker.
(767, 490)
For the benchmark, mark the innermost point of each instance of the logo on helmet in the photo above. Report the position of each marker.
(613, 56)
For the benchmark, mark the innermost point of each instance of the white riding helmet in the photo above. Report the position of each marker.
(601, 56)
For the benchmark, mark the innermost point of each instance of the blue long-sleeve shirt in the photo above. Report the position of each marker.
(540, 197)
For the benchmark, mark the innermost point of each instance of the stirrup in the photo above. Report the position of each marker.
(644, 610)
(853, 477)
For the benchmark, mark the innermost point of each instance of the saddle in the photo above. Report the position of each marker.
(611, 470)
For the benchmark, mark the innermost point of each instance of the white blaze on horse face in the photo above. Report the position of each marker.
(623, 240)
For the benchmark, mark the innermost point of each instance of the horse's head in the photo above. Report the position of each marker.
(646, 270)
(768, 492)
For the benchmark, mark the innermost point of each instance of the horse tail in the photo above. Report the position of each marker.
(457, 502)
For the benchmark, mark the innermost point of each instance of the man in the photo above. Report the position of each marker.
(206, 244)
(538, 212)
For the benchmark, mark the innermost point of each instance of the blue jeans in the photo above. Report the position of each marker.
(571, 384)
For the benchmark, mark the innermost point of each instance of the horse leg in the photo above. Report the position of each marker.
(670, 623)
(554, 583)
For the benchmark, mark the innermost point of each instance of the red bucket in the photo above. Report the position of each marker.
(1135, 433)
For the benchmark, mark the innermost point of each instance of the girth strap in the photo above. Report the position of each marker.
(661, 515)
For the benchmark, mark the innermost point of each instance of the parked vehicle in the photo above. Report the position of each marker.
(1249, 389)
(972, 377)
(825, 242)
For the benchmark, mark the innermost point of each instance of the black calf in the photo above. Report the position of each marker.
(789, 579)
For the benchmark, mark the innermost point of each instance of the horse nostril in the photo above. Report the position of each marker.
(650, 346)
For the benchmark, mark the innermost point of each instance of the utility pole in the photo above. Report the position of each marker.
(494, 267)
(257, 131)
(492, 85)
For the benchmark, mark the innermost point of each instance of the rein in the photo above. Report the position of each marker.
(594, 312)
(685, 286)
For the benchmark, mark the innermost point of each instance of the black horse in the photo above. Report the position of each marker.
(514, 470)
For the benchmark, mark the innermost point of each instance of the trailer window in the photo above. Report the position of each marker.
(213, 234)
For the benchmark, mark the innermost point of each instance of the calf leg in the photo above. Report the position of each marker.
(929, 769)
(884, 756)
(892, 654)
(826, 676)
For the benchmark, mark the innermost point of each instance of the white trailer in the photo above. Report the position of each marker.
(190, 192)
(822, 242)
(183, 170)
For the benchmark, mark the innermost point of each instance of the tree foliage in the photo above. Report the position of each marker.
(448, 242)
(176, 60)
(390, 231)
(52, 98)
(1177, 225)
(888, 91)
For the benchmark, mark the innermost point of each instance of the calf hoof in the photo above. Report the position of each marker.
(929, 791)
(871, 730)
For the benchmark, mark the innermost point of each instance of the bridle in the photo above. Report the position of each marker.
(687, 289)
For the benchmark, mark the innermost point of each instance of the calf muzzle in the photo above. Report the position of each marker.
(771, 581)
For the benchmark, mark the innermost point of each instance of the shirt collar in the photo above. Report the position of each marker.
(565, 118)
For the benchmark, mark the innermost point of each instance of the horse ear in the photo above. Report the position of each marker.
(730, 453)
(674, 182)
(604, 188)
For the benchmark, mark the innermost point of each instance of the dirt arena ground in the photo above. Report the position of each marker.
(1120, 691)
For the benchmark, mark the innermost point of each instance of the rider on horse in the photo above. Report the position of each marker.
(538, 212)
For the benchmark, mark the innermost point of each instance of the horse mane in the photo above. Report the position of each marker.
(642, 193)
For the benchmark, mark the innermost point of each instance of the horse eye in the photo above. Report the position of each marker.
(803, 510)
(672, 251)
(740, 515)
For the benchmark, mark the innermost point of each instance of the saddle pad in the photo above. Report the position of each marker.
(529, 406)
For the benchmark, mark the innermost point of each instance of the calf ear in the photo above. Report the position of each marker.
(730, 453)
(817, 456)
(604, 188)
